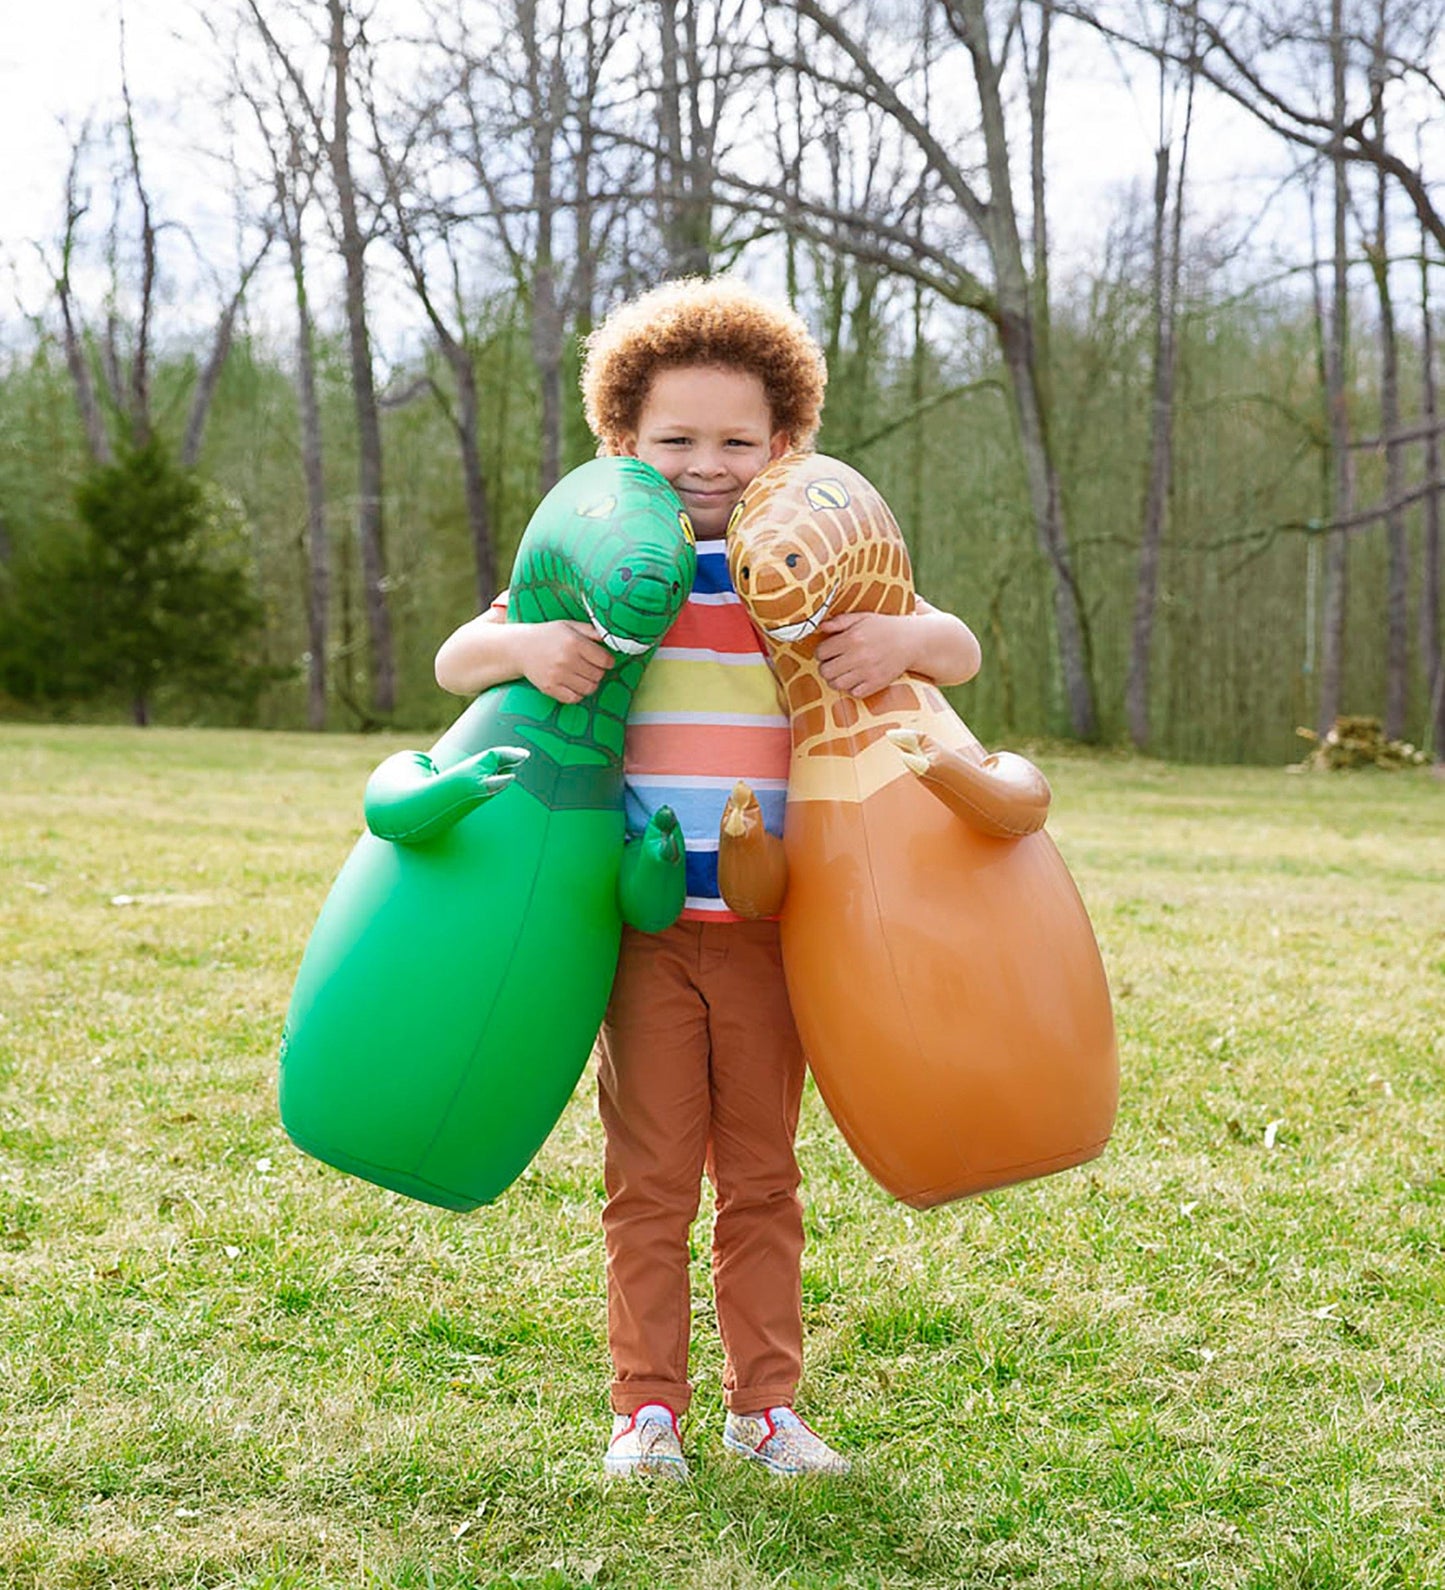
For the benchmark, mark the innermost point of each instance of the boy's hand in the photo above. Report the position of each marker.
(563, 658)
(863, 653)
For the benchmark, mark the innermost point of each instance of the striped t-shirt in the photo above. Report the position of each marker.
(707, 713)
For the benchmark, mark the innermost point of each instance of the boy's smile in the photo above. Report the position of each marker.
(709, 430)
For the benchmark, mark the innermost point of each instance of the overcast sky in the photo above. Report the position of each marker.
(58, 64)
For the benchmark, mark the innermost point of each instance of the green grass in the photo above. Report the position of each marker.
(1201, 1361)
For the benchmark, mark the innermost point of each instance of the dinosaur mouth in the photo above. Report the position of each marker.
(791, 632)
(618, 643)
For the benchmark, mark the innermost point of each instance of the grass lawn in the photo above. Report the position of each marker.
(1215, 1357)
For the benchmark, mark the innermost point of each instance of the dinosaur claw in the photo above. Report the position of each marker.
(910, 748)
(508, 757)
(740, 811)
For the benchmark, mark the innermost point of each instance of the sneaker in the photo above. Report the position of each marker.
(778, 1438)
(645, 1443)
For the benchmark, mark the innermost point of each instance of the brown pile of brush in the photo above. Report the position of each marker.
(1358, 742)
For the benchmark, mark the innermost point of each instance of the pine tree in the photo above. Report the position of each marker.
(149, 595)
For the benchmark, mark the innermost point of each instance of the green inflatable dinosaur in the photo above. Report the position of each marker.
(459, 970)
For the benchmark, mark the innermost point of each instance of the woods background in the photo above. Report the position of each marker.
(1186, 492)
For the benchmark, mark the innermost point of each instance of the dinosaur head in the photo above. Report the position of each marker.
(811, 539)
(610, 546)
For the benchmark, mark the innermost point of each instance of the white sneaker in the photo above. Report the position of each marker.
(645, 1443)
(779, 1439)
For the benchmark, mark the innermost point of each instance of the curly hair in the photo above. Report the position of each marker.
(695, 321)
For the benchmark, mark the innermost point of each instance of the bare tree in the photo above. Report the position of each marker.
(1337, 546)
(1377, 251)
(295, 160)
(115, 378)
(345, 51)
(1165, 272)
(1430, 649)
(343, 47)
(140, 364)
(209, 376)
(977, 253)
(422, 230)
(546, 91)
(77, 356)
(530, 136)
(294, 188)
(852, 292)
(697, 47)
(1250, 50)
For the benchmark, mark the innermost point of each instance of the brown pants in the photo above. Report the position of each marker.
(702, 1069)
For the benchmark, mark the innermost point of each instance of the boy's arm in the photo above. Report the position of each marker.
(863, 653)
(564, 659)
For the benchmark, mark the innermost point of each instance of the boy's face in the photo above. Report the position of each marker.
(709, 430)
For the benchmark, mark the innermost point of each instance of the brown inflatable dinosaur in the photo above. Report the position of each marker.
(943, 972)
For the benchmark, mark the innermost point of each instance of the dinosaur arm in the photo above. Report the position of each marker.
(1002, 795)
(410, 800)
(652, 885)
(752, 869)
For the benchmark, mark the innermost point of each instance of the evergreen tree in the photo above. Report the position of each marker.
(150, 595)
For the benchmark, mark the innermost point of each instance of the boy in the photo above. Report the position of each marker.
(701, 1067)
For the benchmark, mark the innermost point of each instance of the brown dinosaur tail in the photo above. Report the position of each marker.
(752, 870)
(1002, 795)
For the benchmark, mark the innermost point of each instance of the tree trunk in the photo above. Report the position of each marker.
(369, 525)
(1016, 295)
(547, 347)
(1047, 503)
(1165, 278)
(684, 172)
(210, 377)
(547, 337)
(544, 80)
(1038, 93)
(1337, 550)
(917, 439)
(140, 369)
(1430, 651)
(97, 440)
(318, 551)
(474, 480)
(582, 300)
(1156, 493)
(1001, 662)
(1320, 328)
(1397, 599)
(857, 371)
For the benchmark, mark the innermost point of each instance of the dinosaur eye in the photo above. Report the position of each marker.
(676, 586)
(624, 574)
(793, 560)
(746, 572)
